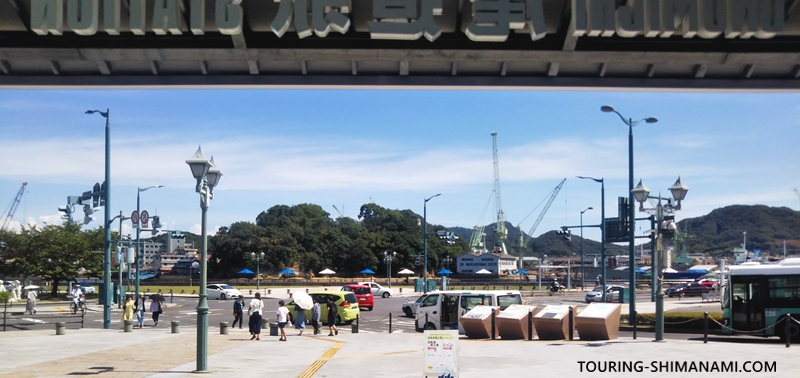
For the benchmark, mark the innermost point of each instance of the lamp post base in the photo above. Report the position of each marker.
(202, 335)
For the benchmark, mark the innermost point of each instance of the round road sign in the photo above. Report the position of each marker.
(135, 217)
(145, 217)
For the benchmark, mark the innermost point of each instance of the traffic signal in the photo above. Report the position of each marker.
(67, 210)
(565, 234)
(87, 214)
(96, 195)
(156, 225)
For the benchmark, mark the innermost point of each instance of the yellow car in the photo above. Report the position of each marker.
(346, 304)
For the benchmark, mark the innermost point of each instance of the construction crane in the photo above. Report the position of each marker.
(500, 232)
(797, 192)
(550, 198)
(13, 206)
(341, 214)
(476, 241)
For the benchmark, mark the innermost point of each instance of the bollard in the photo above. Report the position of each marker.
(269, 291)
(571, 324)
(288, 292)
(530, 325)
(183, 291)
(60, 327)
(223, 328)
(493, 326)
(170, 295)
(251, 291)
(175, 326)
(401, 290)
(306, 290)
(390, 322)
(788, 336)
(273, 328)
(705, 327)
(194, 291)
(326, 289)
(128, 326)
(159, 291)
(354, 326)
(290, 295)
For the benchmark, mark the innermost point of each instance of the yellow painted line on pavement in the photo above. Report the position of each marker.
(311, 370)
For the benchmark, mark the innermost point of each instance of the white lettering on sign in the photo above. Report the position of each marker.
(492, 20)
(662, 18)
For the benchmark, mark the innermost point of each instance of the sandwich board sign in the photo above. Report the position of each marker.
(441, 353)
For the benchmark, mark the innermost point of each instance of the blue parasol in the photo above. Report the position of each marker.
(522, 271)
(367, 271)
(444, 272)
(245, 271)
(287, 271)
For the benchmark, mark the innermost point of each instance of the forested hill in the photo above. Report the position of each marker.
(714, 234)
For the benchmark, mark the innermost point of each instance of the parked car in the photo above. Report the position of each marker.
(222, 291)
(410, 308)
(706, 282)
(346, 305)
(596, 295)
(687, 289)
(363, 294)
(87, 288)
(378, 290)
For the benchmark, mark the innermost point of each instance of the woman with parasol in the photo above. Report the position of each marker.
(155, 307)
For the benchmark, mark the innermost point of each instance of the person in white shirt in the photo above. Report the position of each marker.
(255, 309)
(283, 318)
(76, 294)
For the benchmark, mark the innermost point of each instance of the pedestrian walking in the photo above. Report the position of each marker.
(139, 308)
(155, 309)
(30, 307)
(127, 308)
(255, 311)
(597, 280)
(332, 312)
(300, 320)
(238, 311)
(315, 312)
(283, 318)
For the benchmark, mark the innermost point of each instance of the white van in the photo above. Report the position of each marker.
(445, 308)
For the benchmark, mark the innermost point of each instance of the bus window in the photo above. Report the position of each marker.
(784, 292)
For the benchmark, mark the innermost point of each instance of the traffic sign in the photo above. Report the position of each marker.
(135, 218)
(145, 218)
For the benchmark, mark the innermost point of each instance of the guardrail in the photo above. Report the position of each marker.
(22, 320)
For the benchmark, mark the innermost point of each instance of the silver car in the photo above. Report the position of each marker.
(596, 295)
(410, 308)
(222, 291)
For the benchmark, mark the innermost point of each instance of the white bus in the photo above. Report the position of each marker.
(757, 296)
(445, 308)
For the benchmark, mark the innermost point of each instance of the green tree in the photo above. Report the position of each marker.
(57, 253)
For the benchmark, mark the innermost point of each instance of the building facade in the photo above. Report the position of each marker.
(496, 263)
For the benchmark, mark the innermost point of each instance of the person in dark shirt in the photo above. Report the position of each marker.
(332, 312)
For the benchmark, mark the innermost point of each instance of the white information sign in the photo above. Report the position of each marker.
(479, 312)
(598, 310)
(441, 353)
(553, 311)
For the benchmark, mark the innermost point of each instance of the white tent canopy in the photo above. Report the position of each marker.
(483, 271)
(406, 271)
(327, 271)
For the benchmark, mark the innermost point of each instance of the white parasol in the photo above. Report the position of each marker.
(483, 271)
(302, 299)
(31, 287)
(327, 271)
(406, 271)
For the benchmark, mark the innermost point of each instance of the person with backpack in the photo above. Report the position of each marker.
(238, 311)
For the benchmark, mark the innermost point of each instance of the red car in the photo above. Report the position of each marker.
(363, 294)
(706, 282)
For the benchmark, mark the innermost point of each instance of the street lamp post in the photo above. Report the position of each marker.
(106, 221)
(631, 212)
(139, 231)
(582, 276)
(387, 259)
(602, 230)
(447, 261)
(425, 242)
(258, 267)
(207, 176)
(642, 193)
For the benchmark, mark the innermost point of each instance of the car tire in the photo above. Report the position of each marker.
(429, 327)
(222, 296)
(385, 294)
(369, 308)
(408, 313)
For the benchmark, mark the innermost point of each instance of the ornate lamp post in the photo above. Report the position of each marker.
(387, 259)
(642, 193)
(447, 261)
(106, 223)
(425, 242)
(631, 212)
(207, 176)
(582, 277)
(258, 258)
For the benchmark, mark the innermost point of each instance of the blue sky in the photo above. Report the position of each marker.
(350, 147)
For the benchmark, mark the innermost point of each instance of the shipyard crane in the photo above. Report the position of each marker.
(550, 198)
(476, 241)
(12, 208)
(500, 232)
(341, 213)
(797, 192)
